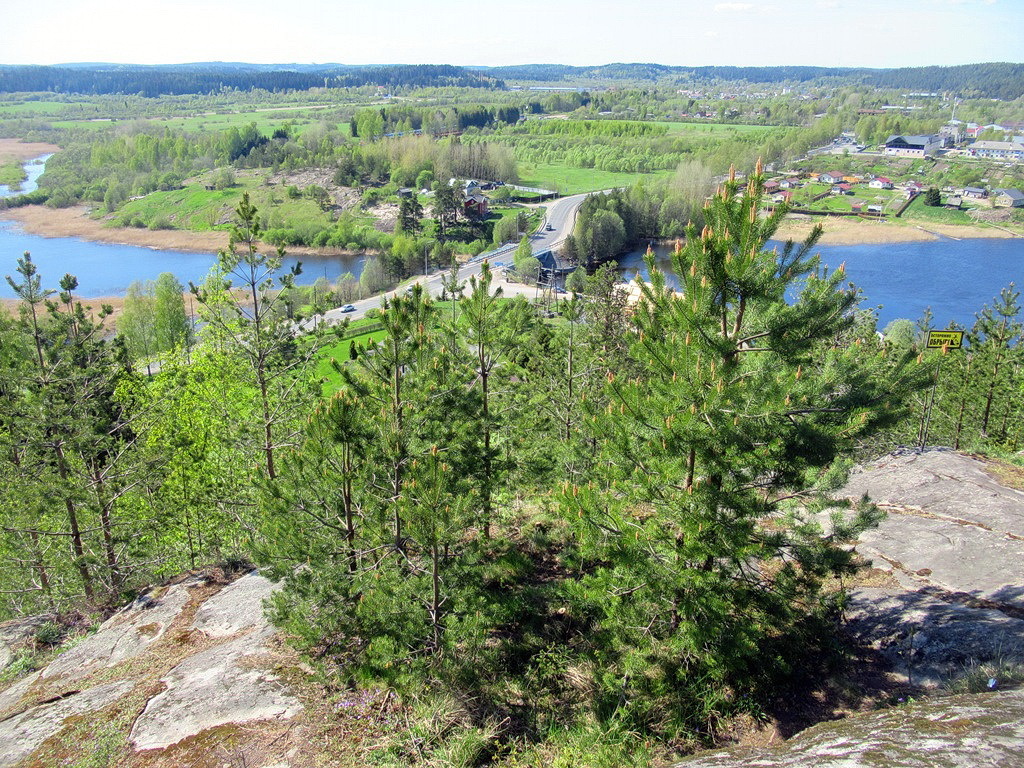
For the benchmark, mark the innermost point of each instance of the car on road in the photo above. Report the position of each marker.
(348, 308)
(549, 228)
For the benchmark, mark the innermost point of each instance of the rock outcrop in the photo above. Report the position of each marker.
(953, 542)
(968, 731)
(177, 662)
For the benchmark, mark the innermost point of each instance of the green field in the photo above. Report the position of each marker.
(32, 108)
(571, 181)
(266, 120)
(720, 130)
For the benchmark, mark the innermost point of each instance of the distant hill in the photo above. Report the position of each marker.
(212, 76)
(995, 80)
(991, 80)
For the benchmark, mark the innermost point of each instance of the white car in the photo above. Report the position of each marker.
(348, 308)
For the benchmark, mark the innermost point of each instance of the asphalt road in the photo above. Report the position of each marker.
(561, 216)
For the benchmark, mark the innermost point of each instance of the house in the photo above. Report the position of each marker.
(880, 182)
(405, 192)
(771, 187)
(953, 202)
(830, 177)
(997, 150)
(874, 208)
(1008, 198)
(845, 189)
(975, 193)
(952, 133)
(782, 197)
(790, 184)
(856, 205)
(911, 146)
(475, 205)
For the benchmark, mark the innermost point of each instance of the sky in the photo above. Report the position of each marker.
(847, 33)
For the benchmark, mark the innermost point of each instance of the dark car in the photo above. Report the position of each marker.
(549, 228)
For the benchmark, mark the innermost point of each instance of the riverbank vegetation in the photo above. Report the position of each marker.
(583, 540)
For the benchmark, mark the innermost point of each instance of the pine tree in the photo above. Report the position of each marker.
(741, 404)
(252, 321)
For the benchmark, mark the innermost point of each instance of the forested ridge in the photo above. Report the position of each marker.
(200, 78)
(993, 79)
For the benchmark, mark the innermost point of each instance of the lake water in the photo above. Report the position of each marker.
(953, 277)
(104, 269)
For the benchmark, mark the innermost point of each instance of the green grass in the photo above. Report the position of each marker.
(571, 181)
(193, 207)
(330, 378)
(266, 120)
(32, 108)
(199, 209)
(12, 174)
(918, 211)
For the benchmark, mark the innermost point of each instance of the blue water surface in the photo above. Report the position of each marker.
(955, 278)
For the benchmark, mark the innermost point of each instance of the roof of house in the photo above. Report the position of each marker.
(922, 140)
(1009, 145)
(882, 179)
(974, 190)
(1013, 194)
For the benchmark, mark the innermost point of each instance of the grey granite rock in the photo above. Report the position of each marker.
(954, 540)
(223, 684)
(970, 731)
(126, 634)
(21, 734)
(236, 608)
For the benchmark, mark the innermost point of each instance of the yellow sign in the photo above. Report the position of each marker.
(950, 339)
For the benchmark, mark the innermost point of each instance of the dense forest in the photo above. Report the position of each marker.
(157, 81)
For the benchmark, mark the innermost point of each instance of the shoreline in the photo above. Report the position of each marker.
(76, 222)
(852, 231)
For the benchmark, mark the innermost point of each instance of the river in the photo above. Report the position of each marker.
(33, 170)
(955, 278)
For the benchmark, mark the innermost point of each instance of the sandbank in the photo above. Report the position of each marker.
(20, 151)
(855, 231)
(76, 222)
